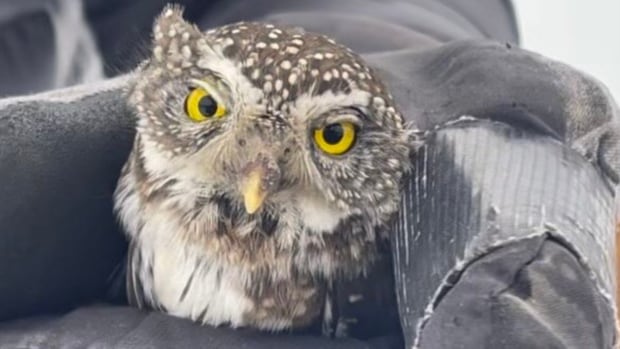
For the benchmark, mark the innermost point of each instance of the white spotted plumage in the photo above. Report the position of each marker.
(194, 251)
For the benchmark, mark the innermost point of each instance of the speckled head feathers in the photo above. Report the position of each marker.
(279, 83)
(283, 61)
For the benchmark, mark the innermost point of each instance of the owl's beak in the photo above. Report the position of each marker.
(258, 179)
(252, 191)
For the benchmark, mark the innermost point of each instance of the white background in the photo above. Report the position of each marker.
(582, 33)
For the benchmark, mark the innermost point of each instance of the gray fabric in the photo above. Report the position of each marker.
(60, 154)
(500, 82)
(124, 327)
(380, 26)
(362, 24)
(46, 44)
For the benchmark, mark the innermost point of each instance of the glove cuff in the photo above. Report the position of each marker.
(506, 234)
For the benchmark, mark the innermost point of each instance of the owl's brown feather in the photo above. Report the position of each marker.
(196, 252)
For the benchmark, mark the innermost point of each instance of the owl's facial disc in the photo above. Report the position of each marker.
(258, 179)
(270, 116)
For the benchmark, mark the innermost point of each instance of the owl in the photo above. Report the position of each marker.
(266, 167)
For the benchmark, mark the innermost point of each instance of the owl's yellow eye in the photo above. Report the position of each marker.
(200, 105)
(336, 138)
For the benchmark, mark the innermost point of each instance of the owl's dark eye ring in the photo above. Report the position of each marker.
(201, 105)
(337, 138)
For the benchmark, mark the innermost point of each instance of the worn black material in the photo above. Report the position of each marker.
(500, 299)
(59, 239)
(491, 200)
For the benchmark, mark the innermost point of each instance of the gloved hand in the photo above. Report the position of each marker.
(509, 213)
(61, 152)
(508, 84)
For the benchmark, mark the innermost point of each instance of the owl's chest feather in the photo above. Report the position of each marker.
(207, 260)
(212, 291)
(223, 268)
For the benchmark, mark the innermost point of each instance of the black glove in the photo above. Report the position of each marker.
(509, 213)
(60, 155)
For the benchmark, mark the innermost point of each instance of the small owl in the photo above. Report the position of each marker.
(266, 166)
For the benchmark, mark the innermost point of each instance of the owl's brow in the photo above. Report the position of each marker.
(349, 113)
(358, 111)
(205, 84)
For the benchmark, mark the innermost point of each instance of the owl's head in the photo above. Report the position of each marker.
(269, 115)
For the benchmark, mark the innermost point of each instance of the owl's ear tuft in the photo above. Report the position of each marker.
(170, 33)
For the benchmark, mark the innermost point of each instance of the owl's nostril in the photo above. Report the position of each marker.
(287, 151)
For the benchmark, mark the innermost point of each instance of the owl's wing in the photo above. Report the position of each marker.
(354, 306)
(135, 291)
